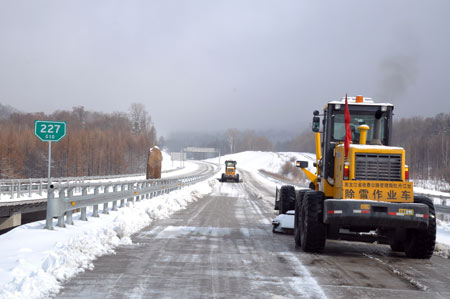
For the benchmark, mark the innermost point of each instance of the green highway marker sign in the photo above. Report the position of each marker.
(47, 130)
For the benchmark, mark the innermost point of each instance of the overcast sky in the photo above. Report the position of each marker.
(212, 65)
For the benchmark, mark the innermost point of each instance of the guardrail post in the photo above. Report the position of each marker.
(19, 185)
(80, 189)
(61, 196)
(105, 205)
(12, 189)
(114, 204)
(40, 187)
(50, 203)
(143, 185)
(69, 214)
(29, 190)
(95, 209)
(83, 210)
(160, 190)
(130, 199)
(138, 186)
(149, 193)
(122, 201)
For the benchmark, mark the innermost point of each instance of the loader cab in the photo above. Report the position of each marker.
(363, 111)
(230, 167)
(231, 164)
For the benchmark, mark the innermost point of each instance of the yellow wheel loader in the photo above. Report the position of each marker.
(230, 172)
(361, 189)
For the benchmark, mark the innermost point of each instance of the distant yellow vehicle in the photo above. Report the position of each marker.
(230, 172)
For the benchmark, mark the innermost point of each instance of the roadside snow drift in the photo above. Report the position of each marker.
(36, 261)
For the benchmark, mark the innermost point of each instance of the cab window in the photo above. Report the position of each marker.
(338, 126)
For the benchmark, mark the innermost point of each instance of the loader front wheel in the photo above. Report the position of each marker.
(297, 218)
(312, 228)
(287, 198)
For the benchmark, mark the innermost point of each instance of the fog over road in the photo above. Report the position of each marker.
(222, 246)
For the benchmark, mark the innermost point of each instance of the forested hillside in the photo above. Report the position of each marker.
(95, 144)
(117, 143)
(427, 144)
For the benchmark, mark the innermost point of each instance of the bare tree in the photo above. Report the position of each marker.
(139, 117)
(232, 135)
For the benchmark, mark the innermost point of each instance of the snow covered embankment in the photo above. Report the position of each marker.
(35, 262)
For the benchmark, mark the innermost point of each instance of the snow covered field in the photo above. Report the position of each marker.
(36, 261)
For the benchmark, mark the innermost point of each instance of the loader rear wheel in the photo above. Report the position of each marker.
(223, 177)
(237, 178)
(298, 208)
(420, 243)
(312, 228)
(287, 199)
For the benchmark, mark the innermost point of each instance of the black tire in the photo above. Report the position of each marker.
(237, 178)
(273, 229)
(397, 240)
(298, 208)
(287, 199)
(420, 243)
(223, 177)
(397, 246)
(312, 229)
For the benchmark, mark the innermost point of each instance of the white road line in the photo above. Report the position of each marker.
(305, 284)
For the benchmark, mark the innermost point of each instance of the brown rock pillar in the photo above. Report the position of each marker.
(154, 163)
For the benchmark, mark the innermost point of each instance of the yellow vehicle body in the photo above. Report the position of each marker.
(230, 172)
(391, 191)
(353, 187)
(362, 193)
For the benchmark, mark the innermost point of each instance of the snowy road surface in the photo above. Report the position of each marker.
(208, 240)
(222, 246)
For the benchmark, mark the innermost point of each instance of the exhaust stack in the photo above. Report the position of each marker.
(376, 128)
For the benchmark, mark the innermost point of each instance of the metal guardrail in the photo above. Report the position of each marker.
(95, 194)
(444, 206)
(442, 209)
(443, 197)
(22, 187)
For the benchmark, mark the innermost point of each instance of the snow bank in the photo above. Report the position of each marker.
(167, 163)
(269, 161)
(36, 261)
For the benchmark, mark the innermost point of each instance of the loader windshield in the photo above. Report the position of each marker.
(230, 163)
(357, 119)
